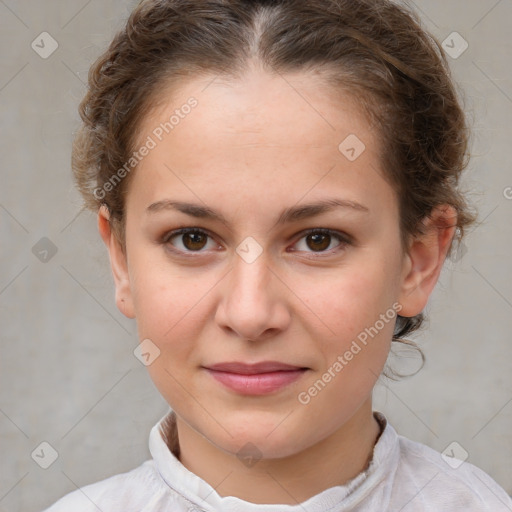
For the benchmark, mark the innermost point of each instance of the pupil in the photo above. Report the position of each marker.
(196, 240)
(318, 238)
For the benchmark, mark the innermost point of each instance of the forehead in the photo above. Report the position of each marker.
(284, 136)
(260, 106)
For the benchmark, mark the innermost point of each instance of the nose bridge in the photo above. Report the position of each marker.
(251, 304)
(250, 280)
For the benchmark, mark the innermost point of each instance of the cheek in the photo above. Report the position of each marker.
(350, 299)
(357, 307)
(171, 314)
(167, 302)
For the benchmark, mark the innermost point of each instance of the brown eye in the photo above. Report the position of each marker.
(187, 240)
(319, 240)
(194, 241)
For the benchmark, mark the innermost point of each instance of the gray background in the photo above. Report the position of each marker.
(67, 369)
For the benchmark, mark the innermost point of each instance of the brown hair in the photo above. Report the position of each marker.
(374, 49)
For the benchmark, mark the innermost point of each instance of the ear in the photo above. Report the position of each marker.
(118, 263)
(425, 258)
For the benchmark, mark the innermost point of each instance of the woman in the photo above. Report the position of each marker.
(276, 184)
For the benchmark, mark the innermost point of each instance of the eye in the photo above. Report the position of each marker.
(190, 239)
(320, 239)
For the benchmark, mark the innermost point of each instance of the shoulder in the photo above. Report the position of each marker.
(427, 480)
(123, 492)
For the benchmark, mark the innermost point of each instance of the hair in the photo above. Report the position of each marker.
(376, 50)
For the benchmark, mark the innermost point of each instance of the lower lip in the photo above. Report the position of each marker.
(256, 384)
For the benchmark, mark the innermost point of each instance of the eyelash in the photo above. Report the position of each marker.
(344, 240)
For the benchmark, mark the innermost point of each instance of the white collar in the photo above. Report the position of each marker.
(202, 496)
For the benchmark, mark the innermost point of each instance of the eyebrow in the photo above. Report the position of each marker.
(292, 214)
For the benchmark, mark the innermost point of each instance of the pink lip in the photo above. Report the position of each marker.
(255, 379)
(252, 369)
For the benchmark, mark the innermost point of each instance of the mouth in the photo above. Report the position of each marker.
(255, 379)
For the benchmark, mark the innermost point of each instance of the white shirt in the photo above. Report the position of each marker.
(403, 476)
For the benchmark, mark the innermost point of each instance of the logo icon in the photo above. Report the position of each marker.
(249, 454)
(44, 45)
(45, 455)
(147, 352)
(352, 147)
(454, 455)
(249, 250)
(455, 45)
(44, 250)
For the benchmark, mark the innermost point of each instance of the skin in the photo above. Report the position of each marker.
(251, 148)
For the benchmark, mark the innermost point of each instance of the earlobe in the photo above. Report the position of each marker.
(118, 264)
(425, 259)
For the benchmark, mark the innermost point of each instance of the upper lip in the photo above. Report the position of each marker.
(255, 368)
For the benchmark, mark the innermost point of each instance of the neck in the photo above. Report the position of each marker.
(333, 461)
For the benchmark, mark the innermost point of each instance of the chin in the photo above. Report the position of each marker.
(259, 446)
(261, 435)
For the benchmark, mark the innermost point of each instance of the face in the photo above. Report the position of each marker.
(246, 274)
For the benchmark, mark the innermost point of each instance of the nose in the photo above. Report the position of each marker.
(255, 301)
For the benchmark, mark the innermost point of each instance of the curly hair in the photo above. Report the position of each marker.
(374, 49)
